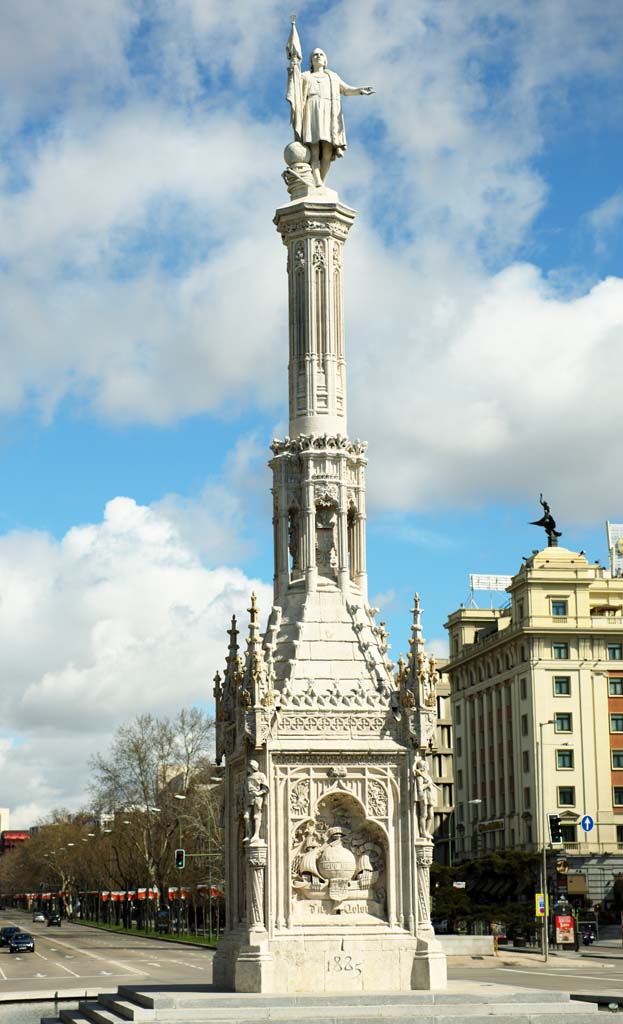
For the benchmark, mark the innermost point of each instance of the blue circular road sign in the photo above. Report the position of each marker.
(587, 823)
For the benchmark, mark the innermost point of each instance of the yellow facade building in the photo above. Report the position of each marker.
(543, 677)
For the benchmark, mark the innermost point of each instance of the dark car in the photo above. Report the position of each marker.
(7, 932)
(54, 920)
(21, 942)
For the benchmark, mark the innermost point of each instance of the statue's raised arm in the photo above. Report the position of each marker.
(315, 112)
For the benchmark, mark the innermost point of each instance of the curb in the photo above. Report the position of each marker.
(54, 995)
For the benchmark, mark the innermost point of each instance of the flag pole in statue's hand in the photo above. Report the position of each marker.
(294, 94)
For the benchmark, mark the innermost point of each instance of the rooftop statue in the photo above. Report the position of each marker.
(548, 523)
(316, 110)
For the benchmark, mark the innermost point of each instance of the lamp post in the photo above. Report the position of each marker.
(541, 809)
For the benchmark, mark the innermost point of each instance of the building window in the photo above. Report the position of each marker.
(560, 652)
(569, 833)
(457, 714)
(615, 652)
(615, 687)
(617, 759)
(459, 746)
(526, 798)
(562, 686)
(563, 722)
(617, 796)
(620, 835)
(523, 689)
(564, 759)
(524, 725)
(459, 778)
(559, 607)
(566, 796)
(616, 723)
(525, 759)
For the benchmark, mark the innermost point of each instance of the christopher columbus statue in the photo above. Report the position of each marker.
(316, 108)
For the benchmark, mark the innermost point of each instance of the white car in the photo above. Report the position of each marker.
(38, 916)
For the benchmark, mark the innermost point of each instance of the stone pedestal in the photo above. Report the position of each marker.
(327, 792)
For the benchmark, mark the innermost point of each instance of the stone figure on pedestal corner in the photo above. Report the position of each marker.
(424, 797)
(316, 115)
(255, 788)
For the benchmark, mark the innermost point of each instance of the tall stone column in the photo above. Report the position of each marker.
(314, 233)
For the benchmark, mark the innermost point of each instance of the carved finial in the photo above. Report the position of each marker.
(217, 685)
(253, 610)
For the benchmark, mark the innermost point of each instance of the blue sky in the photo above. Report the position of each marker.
(143, 326)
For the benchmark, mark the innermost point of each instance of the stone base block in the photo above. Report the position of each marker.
(341, 964)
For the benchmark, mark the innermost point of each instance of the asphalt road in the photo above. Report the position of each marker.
(575, 973)
(74, 957)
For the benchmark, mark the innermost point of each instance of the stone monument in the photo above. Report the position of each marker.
(328, 798)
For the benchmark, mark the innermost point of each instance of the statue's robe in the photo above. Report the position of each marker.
(316, 114)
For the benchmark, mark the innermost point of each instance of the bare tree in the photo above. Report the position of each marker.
(150, 760)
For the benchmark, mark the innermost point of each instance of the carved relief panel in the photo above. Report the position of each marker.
(340, 820)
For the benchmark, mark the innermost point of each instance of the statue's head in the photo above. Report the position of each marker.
(253, 766)
(317, 59)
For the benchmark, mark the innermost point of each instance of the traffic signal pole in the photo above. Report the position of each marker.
(544, 831)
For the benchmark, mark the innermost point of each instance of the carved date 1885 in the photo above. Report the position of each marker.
(341, 962)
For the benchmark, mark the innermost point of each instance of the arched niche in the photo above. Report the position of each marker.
(339, 862)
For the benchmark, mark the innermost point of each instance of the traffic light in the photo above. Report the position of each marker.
(555, 829)
(180, 858)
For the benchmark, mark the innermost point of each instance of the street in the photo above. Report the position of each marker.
(74, 957)
(599, 972)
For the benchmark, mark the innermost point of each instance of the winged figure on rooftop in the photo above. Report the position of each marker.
(548, 523)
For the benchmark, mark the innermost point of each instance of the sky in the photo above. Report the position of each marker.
(143, 328)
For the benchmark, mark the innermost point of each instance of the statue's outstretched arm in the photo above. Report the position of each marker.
(355, 90)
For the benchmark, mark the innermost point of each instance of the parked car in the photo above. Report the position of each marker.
(7, 932)
(38, 916)
(54, 920)
(21, 942)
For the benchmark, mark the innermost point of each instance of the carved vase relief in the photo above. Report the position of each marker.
(338, 862)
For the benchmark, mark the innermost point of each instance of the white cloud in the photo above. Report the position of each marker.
(117, 617)
(438, 647)
(507, 391)
(606, 220)
(141, 273)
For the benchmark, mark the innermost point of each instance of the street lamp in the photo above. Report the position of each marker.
(541, 803)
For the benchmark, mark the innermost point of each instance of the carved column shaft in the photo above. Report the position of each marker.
(314, 232)
(424, 859)
(256, 866)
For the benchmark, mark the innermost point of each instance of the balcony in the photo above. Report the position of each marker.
(607, 620)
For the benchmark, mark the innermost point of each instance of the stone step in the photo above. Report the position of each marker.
(126, 1009)
(97, 1013)
(484, 1014)
(67, 1017)
(513, 1006)
(183, 996)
